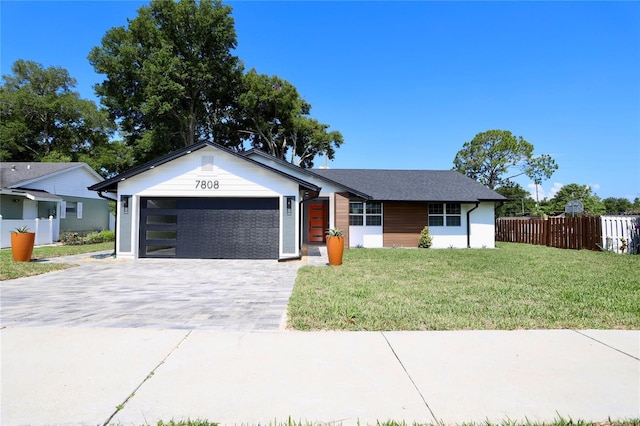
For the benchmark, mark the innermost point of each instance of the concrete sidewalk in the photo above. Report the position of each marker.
(78, 376)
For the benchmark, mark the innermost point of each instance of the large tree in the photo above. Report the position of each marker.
(274, 118)
(495, 156)
(171, 77)
(591, 202)
(520, 202)
(614, 205)
(43, 119)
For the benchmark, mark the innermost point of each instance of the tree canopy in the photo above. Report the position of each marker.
(43, 119)
(592, 203)
(520, 202)
(275, 119)
(614, 205)
(172, 80)
(491, 156)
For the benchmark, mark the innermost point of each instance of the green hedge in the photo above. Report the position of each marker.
(89, 237)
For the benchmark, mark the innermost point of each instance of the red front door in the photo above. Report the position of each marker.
(317, 214)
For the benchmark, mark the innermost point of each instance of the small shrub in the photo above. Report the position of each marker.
(79, 238)
(71, 238)
(99, 237)
(334, 232)
(425, 238)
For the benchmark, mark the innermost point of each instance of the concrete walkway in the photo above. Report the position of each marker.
(78, 376)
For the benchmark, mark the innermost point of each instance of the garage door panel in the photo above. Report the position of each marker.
(218, 228)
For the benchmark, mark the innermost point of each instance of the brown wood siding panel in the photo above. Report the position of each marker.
(402, 223)
(342, 215)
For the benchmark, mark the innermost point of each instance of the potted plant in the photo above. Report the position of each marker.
(22, 244)
(335, 246)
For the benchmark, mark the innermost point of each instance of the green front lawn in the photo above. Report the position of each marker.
(10, 269)
(516, 286)
(557, 422)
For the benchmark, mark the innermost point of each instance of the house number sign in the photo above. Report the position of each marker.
(207, 184)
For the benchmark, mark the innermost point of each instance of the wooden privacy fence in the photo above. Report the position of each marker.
(561, 232)
(620, 234)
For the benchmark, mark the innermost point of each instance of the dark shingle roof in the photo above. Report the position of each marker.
(12, 174)
(412, 185)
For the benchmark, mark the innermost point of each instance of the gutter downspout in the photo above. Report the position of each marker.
(469, 224)
(115, 238)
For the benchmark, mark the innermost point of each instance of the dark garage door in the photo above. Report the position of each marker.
(209, 228)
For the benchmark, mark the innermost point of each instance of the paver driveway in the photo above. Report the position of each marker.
(234, 295)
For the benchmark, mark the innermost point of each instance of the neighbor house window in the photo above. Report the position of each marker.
(445, 214)
(72, 208)
(365, 214)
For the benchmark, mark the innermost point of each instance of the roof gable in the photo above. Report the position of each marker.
(17, 174)
(413, 185)
(111, 184)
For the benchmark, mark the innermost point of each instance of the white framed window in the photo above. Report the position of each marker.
(365, 213)
(71, 208)
(445, 214)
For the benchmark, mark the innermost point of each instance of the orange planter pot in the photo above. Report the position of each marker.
(22, 246)
(335, 249)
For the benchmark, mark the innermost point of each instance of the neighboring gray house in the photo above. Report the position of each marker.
(50, 198)
(205, 201)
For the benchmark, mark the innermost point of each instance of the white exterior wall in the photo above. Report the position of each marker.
(483, 226)
(482, 229)
(366, 236)
(178, 178)
(72, 183)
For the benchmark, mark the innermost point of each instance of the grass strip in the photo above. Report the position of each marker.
(557, 422)
(10, 269)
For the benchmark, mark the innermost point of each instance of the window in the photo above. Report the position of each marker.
(162, 219)
(445, 214)
(356, 214)
(161, 203)
(365, 214)
(72, 208)
(453, 214)
(374, 214)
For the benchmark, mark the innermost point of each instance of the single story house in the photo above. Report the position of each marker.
(205, 201)
(50, 198)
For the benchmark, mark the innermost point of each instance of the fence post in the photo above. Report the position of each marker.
(50, 229)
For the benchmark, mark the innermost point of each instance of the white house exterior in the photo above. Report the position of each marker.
(58, 193)
(206, 201)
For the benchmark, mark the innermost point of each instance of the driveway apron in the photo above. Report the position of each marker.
(234, 295)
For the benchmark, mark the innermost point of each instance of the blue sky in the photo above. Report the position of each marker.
(407, 83)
